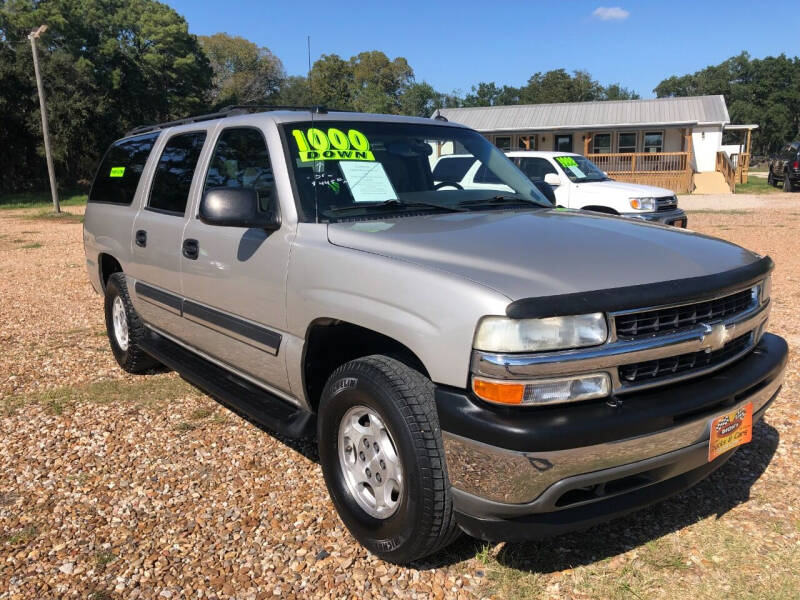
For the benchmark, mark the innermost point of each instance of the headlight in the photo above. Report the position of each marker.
(766, 289)
(500, 334)
(643, 203)
(544, 391)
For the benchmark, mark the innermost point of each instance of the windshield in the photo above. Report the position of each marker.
(580, 169)
(357, 169)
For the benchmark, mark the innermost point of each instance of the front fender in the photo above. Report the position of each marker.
(432, 313)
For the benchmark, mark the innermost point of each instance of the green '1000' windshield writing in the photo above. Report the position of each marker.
(315, 144)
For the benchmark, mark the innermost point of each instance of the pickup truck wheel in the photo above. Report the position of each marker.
(124, 327)
(771, 179)
(382, 457)
(787, 184)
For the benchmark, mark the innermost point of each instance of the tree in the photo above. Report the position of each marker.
(295, 91)
(107, 65)
(420, 100)
(763, 91)
(615, 91)
(331, 82)
(244, 73)
(378, 83)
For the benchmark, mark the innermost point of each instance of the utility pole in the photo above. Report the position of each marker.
(34, 35)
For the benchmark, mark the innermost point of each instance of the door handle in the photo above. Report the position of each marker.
(141, 238)
(191, 249)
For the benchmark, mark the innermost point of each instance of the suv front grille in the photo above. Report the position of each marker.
(666, 203)
(667, 320)
(683, 363)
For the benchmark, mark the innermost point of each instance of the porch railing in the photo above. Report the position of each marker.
(742, 167)
(725, 166)
(671, 170)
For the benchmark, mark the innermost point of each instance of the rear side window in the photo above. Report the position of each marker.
(121, 169)
(174, 172)
(452, 169)
(241, 160)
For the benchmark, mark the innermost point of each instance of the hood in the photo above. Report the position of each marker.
(626, 190)
(543, 252)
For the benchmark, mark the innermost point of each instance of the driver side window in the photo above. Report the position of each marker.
(241, 160)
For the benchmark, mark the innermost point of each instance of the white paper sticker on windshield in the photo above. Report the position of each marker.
(368, 181)
(577, 172)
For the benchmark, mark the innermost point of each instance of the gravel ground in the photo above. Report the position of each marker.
(114, 486)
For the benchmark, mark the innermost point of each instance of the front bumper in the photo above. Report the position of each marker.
(528, 473)
(672, 217)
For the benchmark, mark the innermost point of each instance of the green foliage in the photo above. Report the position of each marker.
(550, 87)
(108, 65)
(764, 91)
(243, 72)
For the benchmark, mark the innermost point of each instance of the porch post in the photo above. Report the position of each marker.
(688, 144)
(746, 167)
(586, 140)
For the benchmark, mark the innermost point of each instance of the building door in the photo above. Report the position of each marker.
(562, 142)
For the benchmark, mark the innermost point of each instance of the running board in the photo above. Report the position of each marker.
(239, 395)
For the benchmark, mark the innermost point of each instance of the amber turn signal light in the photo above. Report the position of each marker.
(500, 393)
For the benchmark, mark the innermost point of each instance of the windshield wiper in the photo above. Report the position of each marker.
(392, 204)
(501, 199)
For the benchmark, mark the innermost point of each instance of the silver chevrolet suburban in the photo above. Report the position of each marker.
(468, 359)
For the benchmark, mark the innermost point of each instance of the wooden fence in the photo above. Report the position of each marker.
(671, 170)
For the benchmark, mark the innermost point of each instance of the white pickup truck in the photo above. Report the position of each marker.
(576, 181)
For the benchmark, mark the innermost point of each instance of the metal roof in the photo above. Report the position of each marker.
(590, 115)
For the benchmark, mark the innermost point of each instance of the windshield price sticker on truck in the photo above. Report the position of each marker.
(566, 161)
(117, 172)
(569, 163)
(316, 144)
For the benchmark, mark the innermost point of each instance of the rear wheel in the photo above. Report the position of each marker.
(771, 179)
(124, 327)
(382, 457)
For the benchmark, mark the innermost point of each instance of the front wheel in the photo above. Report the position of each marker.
(381, 453)
(771, 179)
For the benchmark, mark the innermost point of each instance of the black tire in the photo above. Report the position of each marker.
(771, 179)
(424, 521)
(132, 359)
(787, 184)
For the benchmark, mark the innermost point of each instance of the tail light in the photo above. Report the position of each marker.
(796, 165)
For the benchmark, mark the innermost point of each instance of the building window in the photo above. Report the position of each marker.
(562, 143)
(627, 142)
(503, 142)
(601, 143)
(654, 141)
(526, 142)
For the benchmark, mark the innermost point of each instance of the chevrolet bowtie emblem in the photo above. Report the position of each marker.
(715, 336)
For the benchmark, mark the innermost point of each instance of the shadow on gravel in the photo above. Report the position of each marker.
(720, 492)
(724, 489)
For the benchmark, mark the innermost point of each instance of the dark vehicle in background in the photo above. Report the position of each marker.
(785, 167)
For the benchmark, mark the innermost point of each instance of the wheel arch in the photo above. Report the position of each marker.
(349, 341)
(107, 265)
(600, 209)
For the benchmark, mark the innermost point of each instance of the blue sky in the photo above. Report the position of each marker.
(455, 44)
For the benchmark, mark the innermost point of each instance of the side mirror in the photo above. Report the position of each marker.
(236, 207)
(552, 179)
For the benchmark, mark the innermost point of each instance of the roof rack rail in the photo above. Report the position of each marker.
(228, 111)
